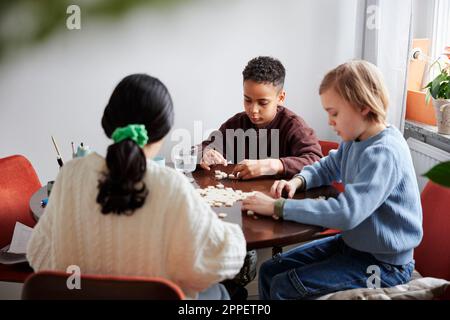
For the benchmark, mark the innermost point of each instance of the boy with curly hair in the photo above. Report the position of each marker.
(292, 143)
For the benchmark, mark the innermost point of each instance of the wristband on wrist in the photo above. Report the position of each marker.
(279, 204)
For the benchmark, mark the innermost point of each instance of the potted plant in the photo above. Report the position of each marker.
(439, 90)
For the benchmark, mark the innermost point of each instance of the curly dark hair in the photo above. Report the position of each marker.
(265, 70)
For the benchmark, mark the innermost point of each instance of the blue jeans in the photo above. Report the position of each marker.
(215, 292)
(325, 266)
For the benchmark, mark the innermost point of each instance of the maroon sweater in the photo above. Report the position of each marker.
(298, 144)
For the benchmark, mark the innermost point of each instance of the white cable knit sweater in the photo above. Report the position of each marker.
(175, 234)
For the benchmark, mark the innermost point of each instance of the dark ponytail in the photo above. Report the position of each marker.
(137, 99)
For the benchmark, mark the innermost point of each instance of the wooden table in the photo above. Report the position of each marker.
(263, 232)
(259, 232)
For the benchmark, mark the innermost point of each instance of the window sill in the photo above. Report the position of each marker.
(428, 134)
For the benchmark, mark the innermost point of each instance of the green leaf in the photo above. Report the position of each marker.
(441, 93)
(440, 174)
(435, 86)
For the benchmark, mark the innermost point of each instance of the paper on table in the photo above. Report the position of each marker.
(21, 236)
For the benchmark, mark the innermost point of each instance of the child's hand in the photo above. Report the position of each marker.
(259, 203)
(248, 169)
(212, 157)
(290, 186)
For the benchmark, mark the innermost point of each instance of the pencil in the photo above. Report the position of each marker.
(56, 146)
(58, 158)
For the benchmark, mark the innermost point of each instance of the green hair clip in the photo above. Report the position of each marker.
(135, 132)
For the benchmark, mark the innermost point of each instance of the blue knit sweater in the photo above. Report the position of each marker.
(380, 210)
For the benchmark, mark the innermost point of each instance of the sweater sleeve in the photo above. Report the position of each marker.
(376, 178)
(39, 250)
(304, 149)
(208, 249)
(324, 171)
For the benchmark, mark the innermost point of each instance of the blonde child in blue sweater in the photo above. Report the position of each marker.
(379, 212)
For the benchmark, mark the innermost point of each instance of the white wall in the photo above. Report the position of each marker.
(197, 49)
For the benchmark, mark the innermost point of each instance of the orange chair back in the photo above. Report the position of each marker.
(327, 146)
(52, 285)
(433, 254)
(18, 182)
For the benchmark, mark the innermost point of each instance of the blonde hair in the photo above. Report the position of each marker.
(361, 84)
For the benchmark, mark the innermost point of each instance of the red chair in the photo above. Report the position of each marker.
(327, 146)
(52, 285)
(433, 254)
(18, 182)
